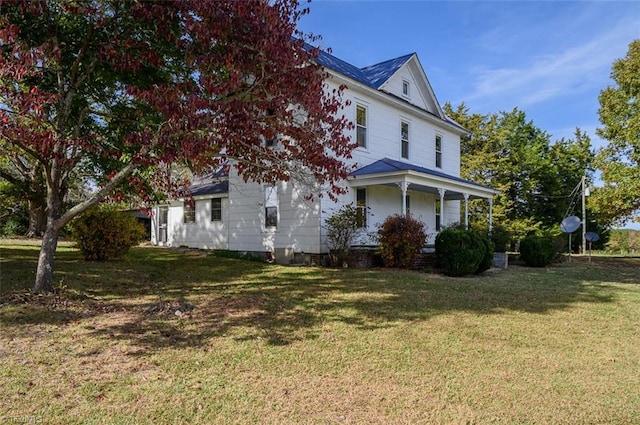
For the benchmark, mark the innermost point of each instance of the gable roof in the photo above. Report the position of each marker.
(379, 73)
(375, 76)
(388, 165)
(372, 76)
(331, 62)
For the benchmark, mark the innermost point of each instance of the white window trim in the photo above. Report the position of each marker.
(405, 83)
(436, 151)
(365, 126)
(221, 211)
(364, 207)
(408, 140)
(271, 200)
(185, 205)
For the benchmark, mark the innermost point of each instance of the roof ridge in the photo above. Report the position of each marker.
(380, 73)
(329, 60)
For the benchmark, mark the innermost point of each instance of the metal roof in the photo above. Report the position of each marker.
(388, 165)
(210, 188)
(381, 72)
(373, 75)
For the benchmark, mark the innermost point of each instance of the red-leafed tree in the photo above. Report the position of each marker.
(122, 90)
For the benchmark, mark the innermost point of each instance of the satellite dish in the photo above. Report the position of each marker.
(591, 236)
(570, 224)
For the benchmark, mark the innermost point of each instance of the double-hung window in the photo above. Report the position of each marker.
(361, 126)
(216, 209)
(404, 136)
(271, 207)
(438, 151)
(437, 214)
(361, 207)
(189, 207)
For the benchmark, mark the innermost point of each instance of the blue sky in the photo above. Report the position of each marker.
(550, 59)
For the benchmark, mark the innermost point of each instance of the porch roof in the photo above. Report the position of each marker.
(390, 172)
(212, 188)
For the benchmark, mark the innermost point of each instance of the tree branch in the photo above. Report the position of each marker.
(105, 190)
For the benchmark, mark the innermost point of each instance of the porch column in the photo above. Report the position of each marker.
(490, 215)
(466, 210)
(441, 192)
(404, 185)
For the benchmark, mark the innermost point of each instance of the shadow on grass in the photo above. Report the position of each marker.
(199, 297)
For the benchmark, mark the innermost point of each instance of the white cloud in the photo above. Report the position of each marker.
(575, 69)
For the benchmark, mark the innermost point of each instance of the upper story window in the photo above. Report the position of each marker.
(361, 125)
(361, 206)
(270, 137)
(404, 136)
(270, 141)
(189, 211)
(438, 151)
(405, 88)
(216, 209)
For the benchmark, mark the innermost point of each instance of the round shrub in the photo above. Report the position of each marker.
(499, 235)
(105, 234)
(460, 252)
(537, 251)
(401, 237)
(487, 259)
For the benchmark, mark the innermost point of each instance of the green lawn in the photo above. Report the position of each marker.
(169, 337)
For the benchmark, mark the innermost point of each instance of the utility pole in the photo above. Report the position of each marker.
(584, 218)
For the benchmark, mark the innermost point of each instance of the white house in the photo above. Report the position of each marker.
(408, 161)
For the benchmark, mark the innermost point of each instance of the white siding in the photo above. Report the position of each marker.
(298, 228)
(451, 213)
(394, 86)
(203, 233)
(383, 134)
(246, 222)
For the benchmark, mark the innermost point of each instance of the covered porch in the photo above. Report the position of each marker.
(405, 177)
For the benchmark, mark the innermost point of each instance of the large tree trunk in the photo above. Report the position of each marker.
(37, 217)
(44, 274)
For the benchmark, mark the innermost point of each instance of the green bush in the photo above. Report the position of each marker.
(537, 251)
(105, 234)
(487, 259)
(500, 236)
(461, 252)
(342, 229)
(13, 226)
(401, 237)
